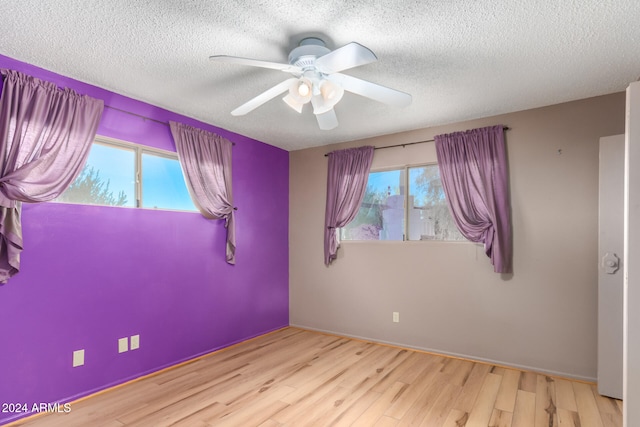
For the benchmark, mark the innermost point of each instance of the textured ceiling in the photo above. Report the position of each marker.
(459, 59)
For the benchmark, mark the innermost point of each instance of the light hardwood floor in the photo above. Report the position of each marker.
(294, 377)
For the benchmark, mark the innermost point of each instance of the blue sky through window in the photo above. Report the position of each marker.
(163, 184)
(381, 181)
(117, 166)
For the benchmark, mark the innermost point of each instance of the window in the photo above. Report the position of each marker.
(163, 185)
(381, 215)
(109, 178)
(429, 217)
(386, 214)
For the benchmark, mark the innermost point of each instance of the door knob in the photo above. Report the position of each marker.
(610, 263)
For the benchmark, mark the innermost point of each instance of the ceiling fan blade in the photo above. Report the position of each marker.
(328, 120)
(371, 90)
(256, 63)
(348, 56)
(265, 96)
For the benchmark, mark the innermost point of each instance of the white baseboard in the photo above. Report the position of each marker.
(457, 355)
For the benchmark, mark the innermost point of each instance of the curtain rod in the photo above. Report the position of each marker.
(409, 143)
(137, 115)
(144, 117)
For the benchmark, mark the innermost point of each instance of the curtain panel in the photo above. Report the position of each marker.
(45, 139)
(473, 170)
(347, 178)
(206, 163)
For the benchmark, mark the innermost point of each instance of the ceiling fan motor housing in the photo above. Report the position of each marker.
(308, 50)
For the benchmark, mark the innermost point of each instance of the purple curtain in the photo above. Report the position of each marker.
(346, 184)
(45, 138)
(206, 162)
(473, 170)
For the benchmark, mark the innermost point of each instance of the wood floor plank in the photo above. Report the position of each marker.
(546, 412)
(197, 418)
(525, 410)
(316, 378)
(347, 396)
(307, 393)
(416, 364)
(326, 369)
(421, 406)
(341, 402)
(566, 398)
(404, 369)
(471, 387)
(483, 407)
(506, 399)
(353, 411)
(567, 418)
(414, 391)
(298, 378)
(500, 418)
(312, 412)
(456, 418)
(587, 407)
(264, 405)
(610, 412)
(458, 369)
(441, 408)
(371, 365)
(173, 412)
(498, 370)
(159, 402)
(528, 382)
(385, 421)
(378, 382)
(377, 409)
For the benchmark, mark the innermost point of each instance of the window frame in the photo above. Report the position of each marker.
(138, 150)
(405, 232)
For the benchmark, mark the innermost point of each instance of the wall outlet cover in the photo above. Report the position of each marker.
(135, 342)
(123, 345)
(78, 358)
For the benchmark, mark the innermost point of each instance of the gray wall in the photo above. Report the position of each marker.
(542, 317)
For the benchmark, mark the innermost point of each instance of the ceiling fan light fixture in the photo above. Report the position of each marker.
(303, 88)
(331, 92)
(293, 103)
(300, 90)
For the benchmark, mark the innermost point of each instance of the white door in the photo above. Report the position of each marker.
(610, 276)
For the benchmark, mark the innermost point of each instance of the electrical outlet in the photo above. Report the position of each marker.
(135, 342)
(78, 358)
(123, 345)
(396, 317)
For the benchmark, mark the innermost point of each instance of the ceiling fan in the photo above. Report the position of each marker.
(317, 79)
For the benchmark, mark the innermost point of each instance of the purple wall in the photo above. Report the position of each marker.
(92, 274)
